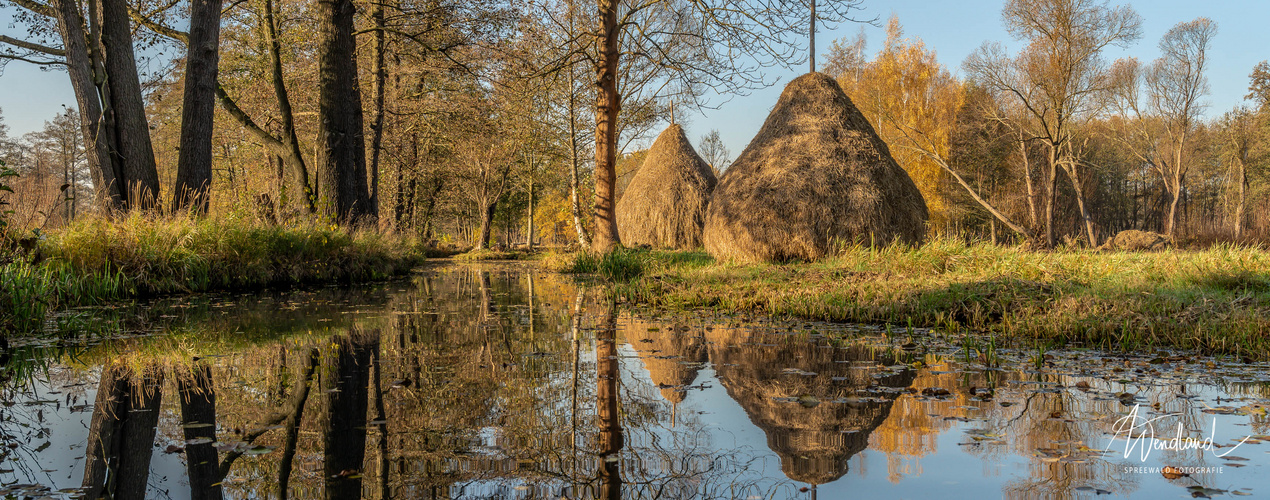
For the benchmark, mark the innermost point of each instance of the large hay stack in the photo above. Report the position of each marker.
(816, 177)
(664, 205)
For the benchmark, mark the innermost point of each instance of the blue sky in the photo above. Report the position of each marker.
(953, 29)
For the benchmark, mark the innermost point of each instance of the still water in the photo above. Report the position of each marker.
(504, 381)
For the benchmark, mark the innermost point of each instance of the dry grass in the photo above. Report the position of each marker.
(1213, 301)
(816, 177)
(664, 206)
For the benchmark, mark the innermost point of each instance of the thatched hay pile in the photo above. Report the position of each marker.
(816, 177)
(664, 206)
(671, 353)
(814, 440)
(1133, 240)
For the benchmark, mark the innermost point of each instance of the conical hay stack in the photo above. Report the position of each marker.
(664, 206)
(815, 178)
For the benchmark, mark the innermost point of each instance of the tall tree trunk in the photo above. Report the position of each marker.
(1175, 189)
(607, 107)
(132, 131)
(341, 148)
(379, 77)
(487, 223)
(96, 131)
(1239, 206)
(198, 419)
(529, 241)
(194, 162)
(1050, 195)
(290, 143)
(1073, 174)
(1027, 179)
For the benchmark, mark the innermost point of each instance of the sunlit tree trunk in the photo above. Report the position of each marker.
(607, 108)
(132, 131)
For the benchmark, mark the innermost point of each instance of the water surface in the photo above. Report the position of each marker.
(504, 381)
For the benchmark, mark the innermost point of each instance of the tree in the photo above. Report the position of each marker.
(699, 45)
(194, 165)
(714, 152)
(1242, 149)
(98, 54)
(341, 165)
(905, 92)
(1060, 79)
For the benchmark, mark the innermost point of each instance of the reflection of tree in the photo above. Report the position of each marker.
(824, 421)
(611, 437)
(121, 435)
(198, 419)
(343, 426)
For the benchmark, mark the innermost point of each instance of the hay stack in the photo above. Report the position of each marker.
(1132, 240)
(816, 176)
(665, 203)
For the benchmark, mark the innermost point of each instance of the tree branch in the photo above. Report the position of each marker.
(32, 46)
(36, 7)
(158, 27)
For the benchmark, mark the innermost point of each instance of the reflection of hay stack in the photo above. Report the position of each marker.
(816, 176)
(672, 357)
(814, 443)
(665, 203)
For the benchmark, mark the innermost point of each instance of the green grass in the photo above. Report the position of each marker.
(94, 261)
(1215, 300)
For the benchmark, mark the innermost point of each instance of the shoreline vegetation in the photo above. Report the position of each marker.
(1214, 300)
(95, 261)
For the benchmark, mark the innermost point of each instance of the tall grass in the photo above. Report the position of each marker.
(97, 260)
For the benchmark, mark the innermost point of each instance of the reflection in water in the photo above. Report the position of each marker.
(120, 438)
(806, 398)
(503, 381)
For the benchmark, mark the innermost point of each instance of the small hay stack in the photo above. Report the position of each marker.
(664, 205)
(816, 177)
(1133, 240)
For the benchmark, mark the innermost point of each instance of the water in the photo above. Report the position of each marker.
(503, 381)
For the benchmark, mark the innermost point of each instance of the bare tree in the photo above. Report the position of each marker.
(1175, 85)
(714, 152)
(1060, 79)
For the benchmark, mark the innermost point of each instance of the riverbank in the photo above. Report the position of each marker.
(94, 261)
(1215, 300)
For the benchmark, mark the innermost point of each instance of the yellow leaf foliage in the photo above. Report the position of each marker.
(904, 86)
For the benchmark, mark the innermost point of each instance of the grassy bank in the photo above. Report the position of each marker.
(1214, 300)
(96, 260)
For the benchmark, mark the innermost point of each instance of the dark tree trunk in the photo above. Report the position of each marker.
(607, 107)
(379, 77)
(341, 148)
(198, 418)
(344, 424)
(487, 223)
(70, 24)
(132, 131)
(194, 164)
